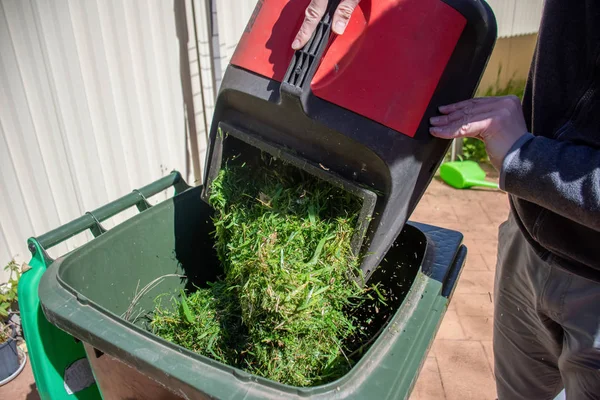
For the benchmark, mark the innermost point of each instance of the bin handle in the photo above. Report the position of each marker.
(92, 220)
(304, 63)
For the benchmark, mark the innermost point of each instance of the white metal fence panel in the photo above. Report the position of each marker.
(232, 17)
(204, 75)
(517, 17)
(528, 16)
(92, 106)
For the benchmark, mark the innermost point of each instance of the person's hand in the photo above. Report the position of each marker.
(497, 121)
(315, 11)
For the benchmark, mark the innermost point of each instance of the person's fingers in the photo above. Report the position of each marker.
(450, 108)
(473, 127)
(342, 15)
(314, 12)
(462, 114)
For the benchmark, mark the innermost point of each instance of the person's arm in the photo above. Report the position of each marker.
(560, 176)
(315, 11)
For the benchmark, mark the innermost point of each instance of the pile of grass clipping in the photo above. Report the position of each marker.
(283, 308)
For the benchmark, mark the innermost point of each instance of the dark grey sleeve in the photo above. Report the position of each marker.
(560, 176)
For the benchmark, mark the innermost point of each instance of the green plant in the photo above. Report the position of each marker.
(8, 290)
(515, 87)
(8, 299)
(5, 332)
(474, 149)
(284, 307)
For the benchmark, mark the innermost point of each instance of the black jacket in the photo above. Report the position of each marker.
(553, 175)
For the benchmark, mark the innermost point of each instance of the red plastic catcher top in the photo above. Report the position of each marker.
(386, 66)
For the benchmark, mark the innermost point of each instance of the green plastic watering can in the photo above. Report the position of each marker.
(464, 174)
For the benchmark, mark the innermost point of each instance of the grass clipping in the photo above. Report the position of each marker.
(283, 309)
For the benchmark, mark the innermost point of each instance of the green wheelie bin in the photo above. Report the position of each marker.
(83, 346)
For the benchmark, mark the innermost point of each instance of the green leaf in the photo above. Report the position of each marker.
(186, 309)
(312, 214)
(319, 249)
(381, 298)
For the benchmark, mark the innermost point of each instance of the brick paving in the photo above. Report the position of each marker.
(460, 362)
(22, 387)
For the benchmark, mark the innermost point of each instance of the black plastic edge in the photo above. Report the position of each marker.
(454, 272)
(446, 246)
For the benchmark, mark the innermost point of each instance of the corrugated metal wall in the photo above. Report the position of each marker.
(232, 17)
(517, 17)
(100, 97)
(93, 103)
